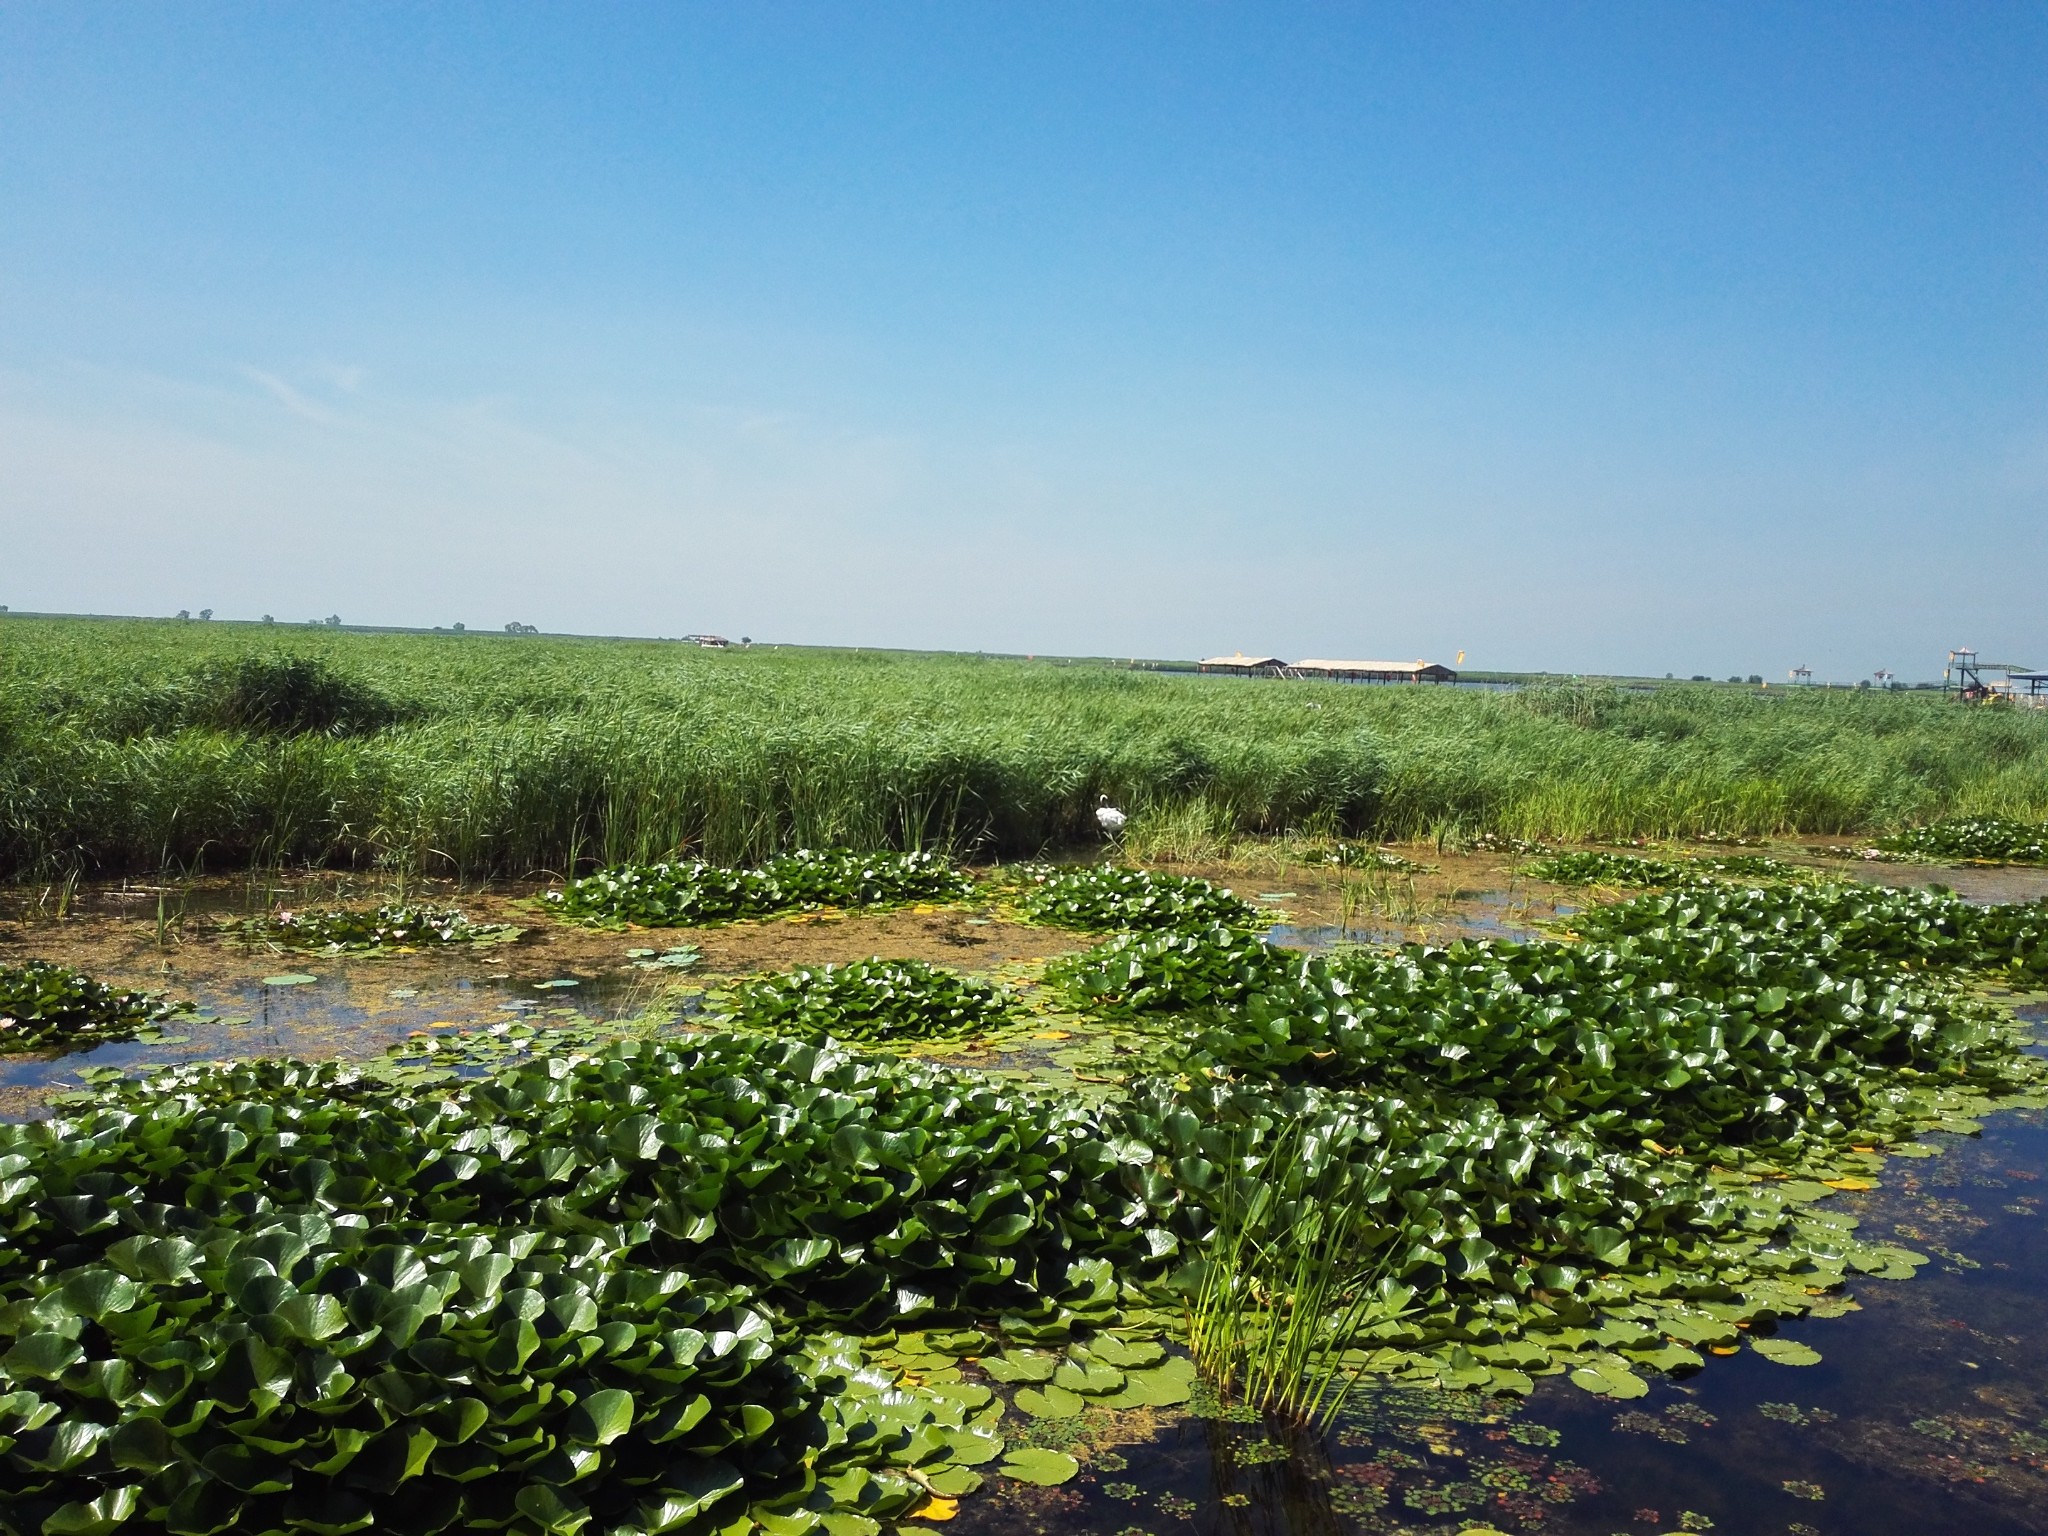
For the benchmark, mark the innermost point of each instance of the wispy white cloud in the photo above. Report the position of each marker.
(291, 399)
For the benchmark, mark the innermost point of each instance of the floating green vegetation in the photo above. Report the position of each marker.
(1843, 928)
(1137, 973)
(870, 1000)
(1103, 897)
(351, 931)
(1596, 868)
(1473, 1449)
(1989, 839)
(52, 1007)
(685, 895)
(1367, 856)
(267, 1297)
(682, 958)
(1770, 1016)
(288, 1297)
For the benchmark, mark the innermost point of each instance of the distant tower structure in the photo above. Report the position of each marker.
(1884, 677)
(1963, 677)
(1801, 674)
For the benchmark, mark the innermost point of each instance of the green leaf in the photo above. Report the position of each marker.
(1043, 1468)
(552, 1509)
(1785, 1351)
(99, 1293)
(1020, 1366)
(105, 1513)
(43, 1355)
(600, 1418)
(1090, 1380)
(311, 1318)
(972, 1447)
(1050, 1403)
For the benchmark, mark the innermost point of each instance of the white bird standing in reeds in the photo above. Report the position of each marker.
(1109, 818)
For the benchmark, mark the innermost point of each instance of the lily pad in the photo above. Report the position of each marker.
(290, 979)
(1045, 1469)
(1020, 1366)
(1610, 1381)
(1048, 1403)
(1785, 1351)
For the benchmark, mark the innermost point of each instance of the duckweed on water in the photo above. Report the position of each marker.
(685, 895)
(870, 1000)
(52, 1007)
(343, 930)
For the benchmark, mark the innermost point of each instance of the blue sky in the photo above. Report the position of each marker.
(1631, 338)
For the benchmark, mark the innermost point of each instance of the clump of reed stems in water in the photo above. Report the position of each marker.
(1288, 1283)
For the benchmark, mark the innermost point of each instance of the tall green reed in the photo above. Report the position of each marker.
(513, 756)
(1293, 1275)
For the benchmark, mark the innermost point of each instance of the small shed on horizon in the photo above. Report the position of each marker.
(1242, 665)
(1375, 671)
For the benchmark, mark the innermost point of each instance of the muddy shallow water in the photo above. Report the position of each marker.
(1928, 1413)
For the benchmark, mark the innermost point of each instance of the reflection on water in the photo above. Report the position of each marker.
(345, 1012)
(1985, 886)
(1486, 915)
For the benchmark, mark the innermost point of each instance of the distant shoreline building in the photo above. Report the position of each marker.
(1375, 671)
(1241, 665)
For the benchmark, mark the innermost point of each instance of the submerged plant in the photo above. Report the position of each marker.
(345, 930)
(45, 1006)
(872, 1000)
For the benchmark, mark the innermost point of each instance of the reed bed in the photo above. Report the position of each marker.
(132, 744)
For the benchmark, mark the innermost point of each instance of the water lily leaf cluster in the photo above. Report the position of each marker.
(1767, 1016)
(870, 1000)
(1554, 1137)
(1169, 970)
(1993, 839)
(1104, 897)
(1502, 1247)
(1592, 867)
(678, 895)
(1845, 925)
(281, 1296)
(310, 1372)
(844, 1188)
(44, 1006)
(342, 930)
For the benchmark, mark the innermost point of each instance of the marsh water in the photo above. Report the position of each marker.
(1927, 1413)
